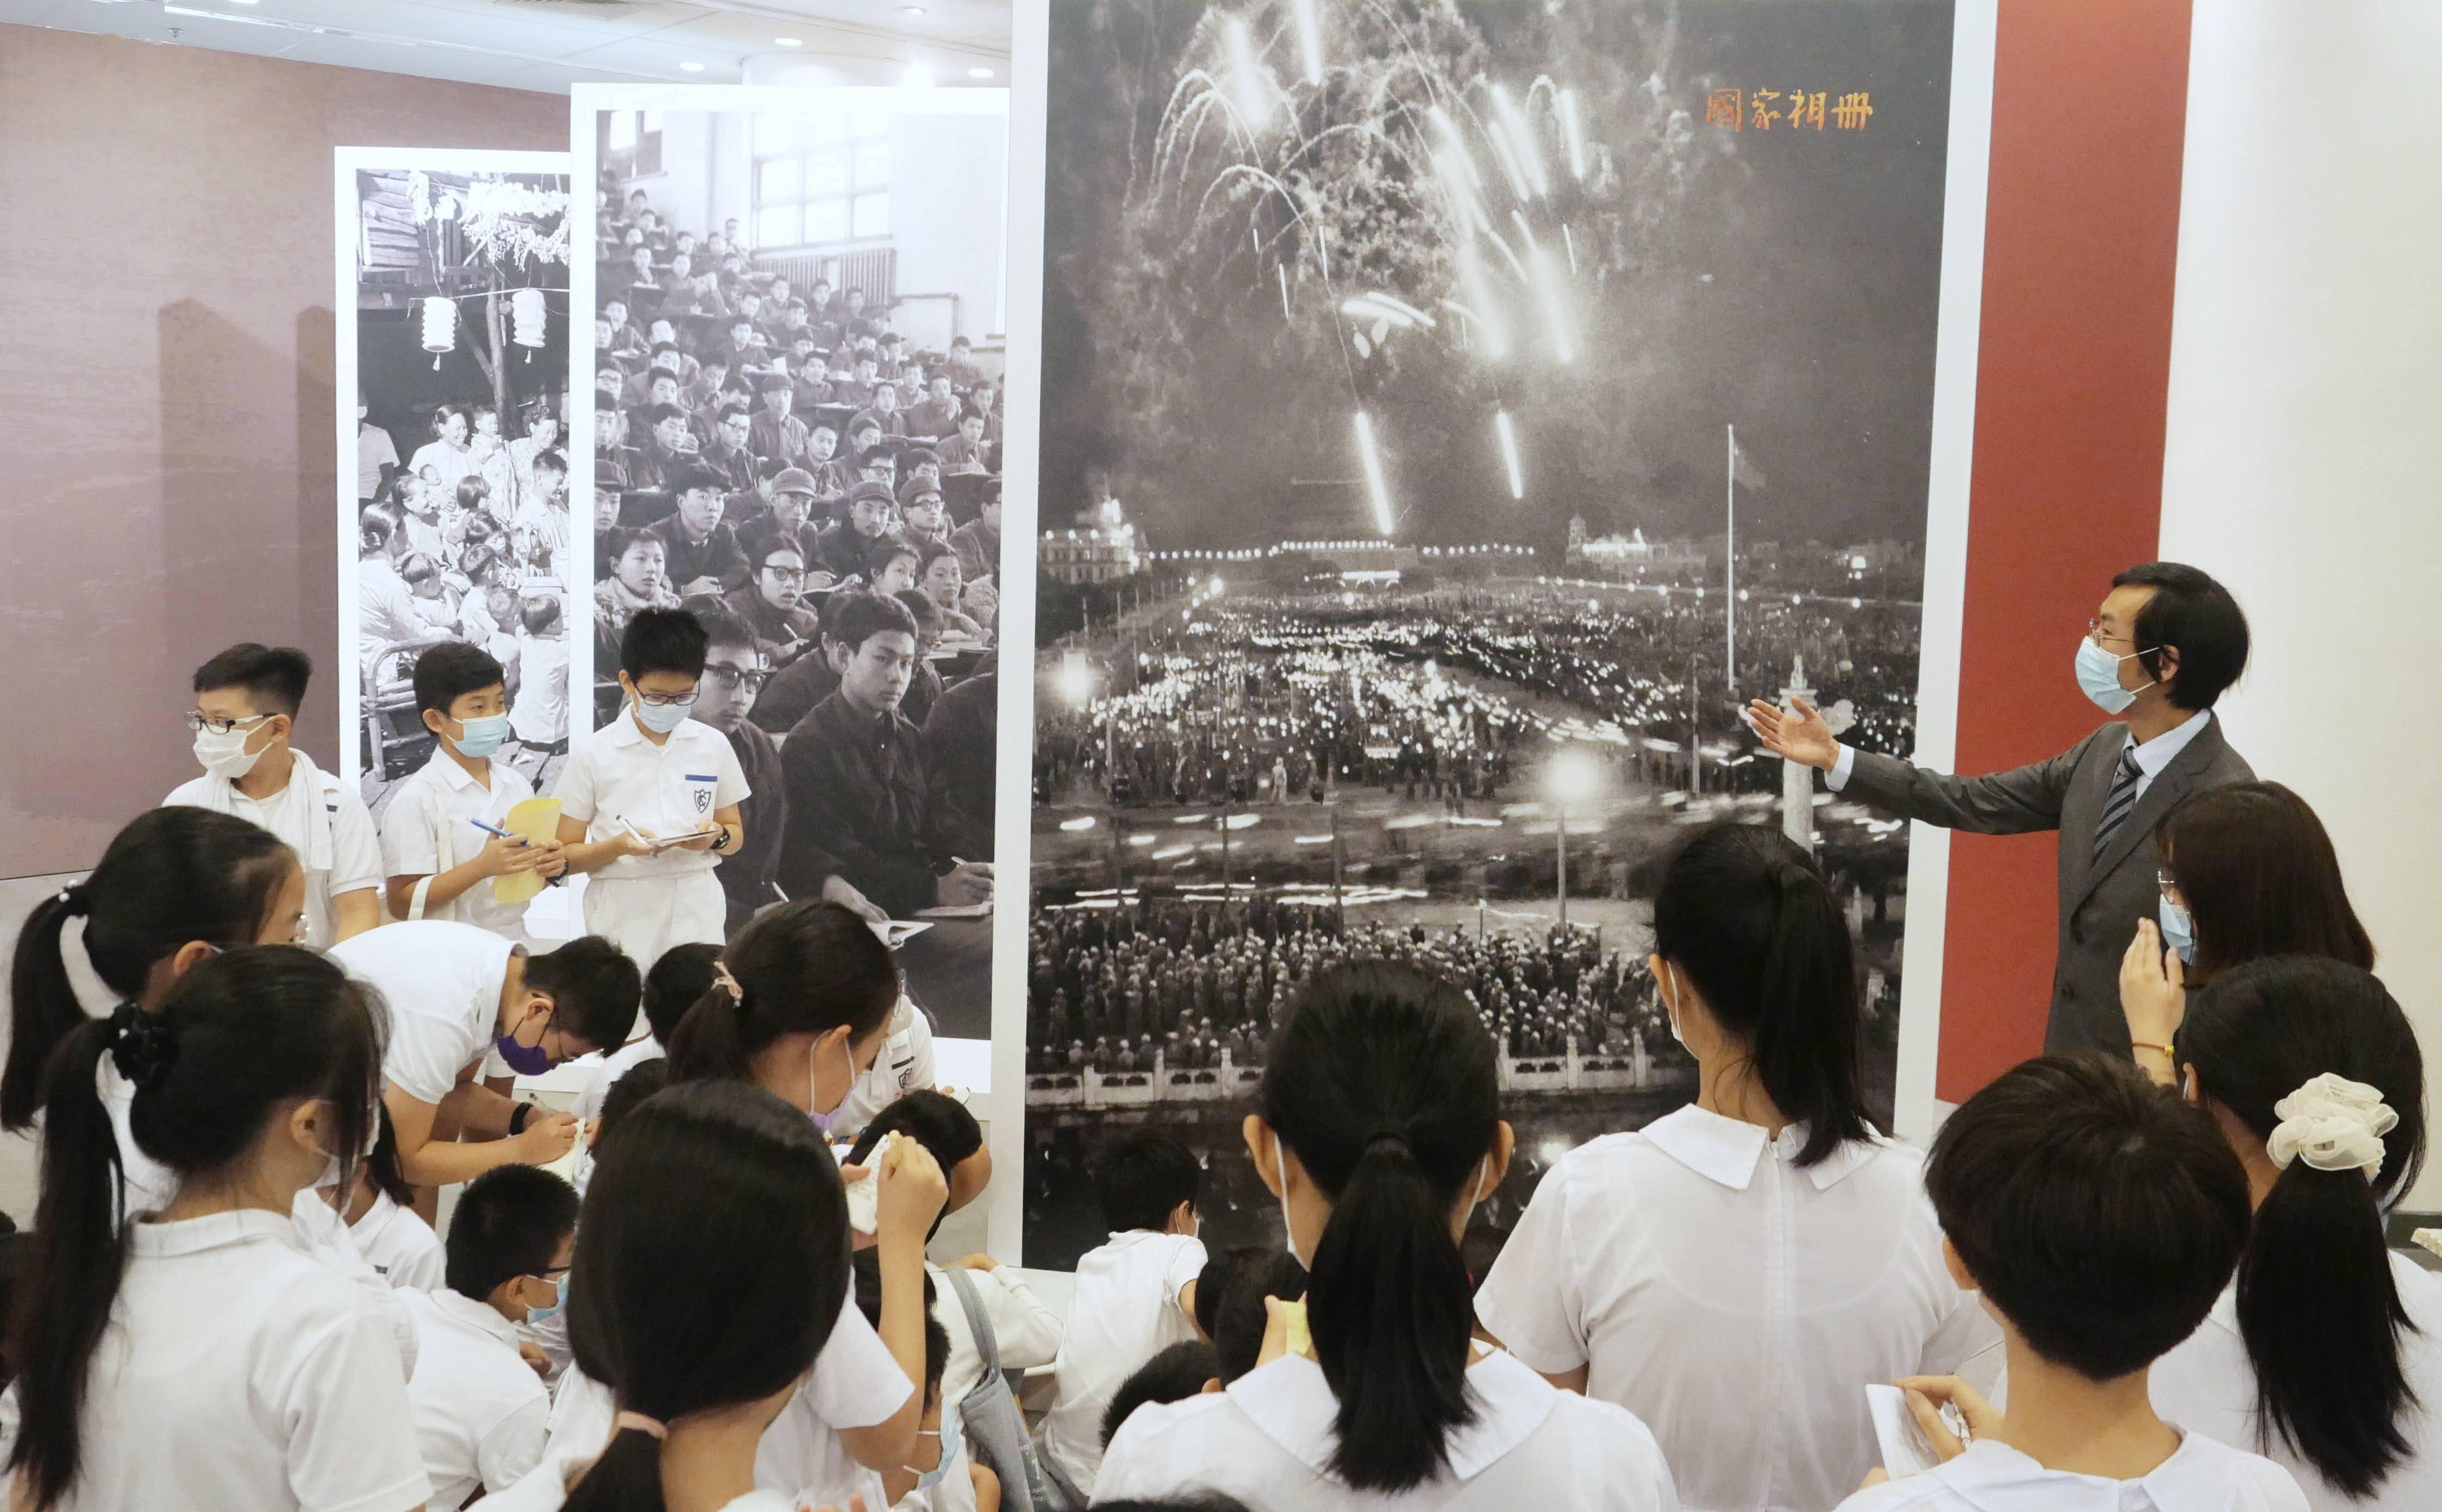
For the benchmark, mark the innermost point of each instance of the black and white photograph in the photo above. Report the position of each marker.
(797, 342)
(457, 523)
(1452, 415)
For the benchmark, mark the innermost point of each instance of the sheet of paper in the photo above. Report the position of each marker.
(956, 911)
(1903, 1446)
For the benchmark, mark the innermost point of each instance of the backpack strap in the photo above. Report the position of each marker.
(978, 1318)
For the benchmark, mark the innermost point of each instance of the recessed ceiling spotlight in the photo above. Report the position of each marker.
(790, 42)
(911, 10)
(692, 67)
(979, 73)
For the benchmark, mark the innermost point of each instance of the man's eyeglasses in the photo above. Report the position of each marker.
(737, 677)
(199, 721)
(2094, 633)
(667, 701)
(787, 575)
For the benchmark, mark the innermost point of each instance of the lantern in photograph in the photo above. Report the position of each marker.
(440, 328)
(530, 317)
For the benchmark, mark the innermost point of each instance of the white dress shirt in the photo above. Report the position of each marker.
(2208, 1383)
(443, 982)
(2202, 1475)
(237, 1374)
(603, 1076)
(905, 1066)
(315, 814)
(670, 789)
(400, 1245)
(1024, 1325)
(2152, 755)
(480, 1412)
(429, 827)
(1736, 1302)
(1268, 1439)
(1122, 1311)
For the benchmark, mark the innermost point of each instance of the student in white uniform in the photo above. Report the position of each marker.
(200, 1360)
(939, 1476)
(384, 1225)
(712, 1319)
(1733, 1272)
(246, 708)
(1379, 1131)
(2314, 1076)
(455, 993)
(653, 771)
(905, 1066)
(2101, 1218)
(682, 975)
(1133, 1297)
(437, 849)
(481, 1414)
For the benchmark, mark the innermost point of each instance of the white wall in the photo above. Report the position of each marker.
(2305, 438)
(949, 185)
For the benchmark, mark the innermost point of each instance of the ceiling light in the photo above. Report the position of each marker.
(979, 73)
(911, 10)
(692, 67)
(790, 42)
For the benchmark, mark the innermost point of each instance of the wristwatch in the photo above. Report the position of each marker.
(517, 1116)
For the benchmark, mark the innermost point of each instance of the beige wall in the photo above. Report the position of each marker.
(166, 337)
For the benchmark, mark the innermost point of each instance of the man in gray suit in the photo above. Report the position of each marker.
(2165, 644)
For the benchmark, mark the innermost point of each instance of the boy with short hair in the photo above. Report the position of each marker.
(437, 847)
(482, 1416)
(1134, 1296)
(2100, 1217)
(633, 788)
(538, 714)
(246, 707)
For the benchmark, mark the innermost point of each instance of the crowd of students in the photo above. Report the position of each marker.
(2156, 1279)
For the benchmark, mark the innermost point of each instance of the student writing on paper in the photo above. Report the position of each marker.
(437, 844)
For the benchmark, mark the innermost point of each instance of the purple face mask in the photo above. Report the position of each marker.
(526, 1060)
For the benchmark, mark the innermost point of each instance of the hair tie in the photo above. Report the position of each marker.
(2333, 1125)
(721, 979)
(652, 1426)
(141, 1045)
(73, 898)
(1390, 1137)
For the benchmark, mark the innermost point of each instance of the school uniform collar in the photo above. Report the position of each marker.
(452, 775)
(622, 730)
(1992, 1474)
(467, 1313)
(1725, 1151)
(1291, 1403)
(216, 1231)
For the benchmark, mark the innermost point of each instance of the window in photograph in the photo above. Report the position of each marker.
(822, 178)
(631, 142)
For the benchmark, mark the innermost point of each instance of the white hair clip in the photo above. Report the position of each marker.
(2333, 1125)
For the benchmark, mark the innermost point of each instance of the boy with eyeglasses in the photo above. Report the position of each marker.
(734, 672)
(633, 788)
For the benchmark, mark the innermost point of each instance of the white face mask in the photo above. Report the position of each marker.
(1669, 1008)
(223, 753)
(822, 1116)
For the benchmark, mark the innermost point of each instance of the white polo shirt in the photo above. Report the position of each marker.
(429, 827)
(400, 1245)
(2202, 1475)
(443, 982)
(1122, 1311)
(1268, 1439)
(1024, 1326)
(480, 1412)
(606, 1074)
(855, 1383)
(313, 801)
(671, 789)
(904, 1065)
(1735, 1301)
(2208, 1383)
(237, 1374)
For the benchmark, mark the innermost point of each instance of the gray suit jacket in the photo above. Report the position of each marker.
(2103, 897)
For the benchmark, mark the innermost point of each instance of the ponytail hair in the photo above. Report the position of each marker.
(2317, 1304)
(1382, 1081)
(171, 876)
(1746, 915)
(804, 968)
(712, 1262)
(241, 1034)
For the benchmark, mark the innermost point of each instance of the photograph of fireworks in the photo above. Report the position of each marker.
(1453, 412)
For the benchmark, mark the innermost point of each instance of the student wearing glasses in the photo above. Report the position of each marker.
(633, 788)
(734, 673)
(772, 603)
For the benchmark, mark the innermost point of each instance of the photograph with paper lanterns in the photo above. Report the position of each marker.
(1452, 412)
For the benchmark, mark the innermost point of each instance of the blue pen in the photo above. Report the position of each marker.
(502, 833)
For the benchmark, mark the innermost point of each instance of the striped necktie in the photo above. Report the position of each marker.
(2121, 799)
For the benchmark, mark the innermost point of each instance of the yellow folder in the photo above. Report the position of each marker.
(537, 819)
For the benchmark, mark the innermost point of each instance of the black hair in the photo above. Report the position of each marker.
(451, 670)
(656, 415)
(237, 1038)
(274, 676)
(1213, 1280)
(381, 1167)
(804, 968)
(919, 609)
(885, 550)
(661, 640)
(852, 619)
(1173, 1376)
(2097, 1212)
(771, 546)
(549, 457)
(682, 975)
(509, 1222)
(1200, 1501)
(636, 1084)
(171, 876)
(538, 613)
(1383, 1083)
(814, 426)
(1239, 1318)
(593, 989)
(720, 626)
(2317, 1304)
(938, 1121)
(877, 454)
(864, 1267)
(698, 478)
(2197, 616)
(712, 1262)
(1141, 1180)
(2259, 878)
(1746, 916)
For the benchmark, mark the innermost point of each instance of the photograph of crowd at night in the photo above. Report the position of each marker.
(1452, 414)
